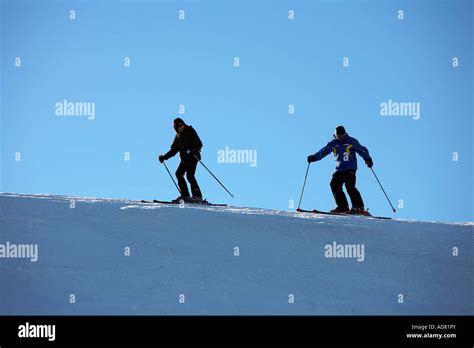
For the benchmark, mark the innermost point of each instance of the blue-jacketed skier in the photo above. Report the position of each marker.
(344, 148)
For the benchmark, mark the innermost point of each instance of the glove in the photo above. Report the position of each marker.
(161, 158)
(369, 163)
(311, 158)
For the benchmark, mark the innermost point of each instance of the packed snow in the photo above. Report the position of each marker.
(109, 256)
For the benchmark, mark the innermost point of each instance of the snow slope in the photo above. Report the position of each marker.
(190, 251)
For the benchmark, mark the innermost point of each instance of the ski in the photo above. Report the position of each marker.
(196, 203)
(205, 203)
(341, 214)
(317, 212)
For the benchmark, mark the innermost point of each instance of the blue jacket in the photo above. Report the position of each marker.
(344, 152)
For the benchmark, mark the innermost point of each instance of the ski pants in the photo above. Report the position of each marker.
(347, 177)
(189, 168)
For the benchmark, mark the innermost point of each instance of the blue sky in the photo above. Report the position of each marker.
(190, 62)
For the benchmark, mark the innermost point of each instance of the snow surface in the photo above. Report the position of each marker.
(190, 251)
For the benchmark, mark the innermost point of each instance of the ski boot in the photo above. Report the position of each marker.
(340, 210)
(181, 199)
(197, 200)
(359, 211)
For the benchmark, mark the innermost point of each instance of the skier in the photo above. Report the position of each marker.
(344, 149)
(188, 144)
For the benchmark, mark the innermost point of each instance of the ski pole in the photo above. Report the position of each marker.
(304, 184)
(172, 177)
(393, 209)
(214, 176)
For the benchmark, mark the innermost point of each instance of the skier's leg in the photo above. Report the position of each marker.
(191, 170)
(354, 194)
(183, 187)
(336, 188)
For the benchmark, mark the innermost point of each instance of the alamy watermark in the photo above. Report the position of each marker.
(403, 109)
(20, 251)
(335, 250)
(76, 109)
(237, 156)
(28, 330)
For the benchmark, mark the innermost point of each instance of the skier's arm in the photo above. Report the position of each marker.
(361, 150)
(323, 152)
(173, 150)
(197, 143)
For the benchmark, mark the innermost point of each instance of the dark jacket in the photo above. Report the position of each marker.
(344, 153)
(187, 143)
